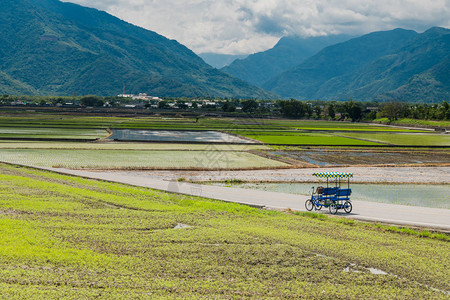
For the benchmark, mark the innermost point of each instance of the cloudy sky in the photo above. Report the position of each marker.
(248, 26)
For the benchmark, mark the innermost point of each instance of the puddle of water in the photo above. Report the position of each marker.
(376, 271)
(181, 226)
(436, 196)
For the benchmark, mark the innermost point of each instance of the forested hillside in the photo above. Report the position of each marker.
(51, 47)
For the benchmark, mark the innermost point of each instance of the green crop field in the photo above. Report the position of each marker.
(334, 125)
(68, 237)
(404, 139)
(414, 122)
(135, 159)
(309, 139)
(359, 128)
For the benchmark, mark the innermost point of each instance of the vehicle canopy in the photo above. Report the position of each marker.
(335, 175)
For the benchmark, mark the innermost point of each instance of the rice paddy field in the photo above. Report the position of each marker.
(68, 237)
(415, 139)
(310, 139)
(135, 159)
(103, 153)
(334, 157)
(51, 133)
(290, 132)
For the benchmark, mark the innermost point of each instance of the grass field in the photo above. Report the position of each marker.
(136, 159)
(67, 237)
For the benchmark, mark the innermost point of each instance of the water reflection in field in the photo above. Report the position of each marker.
(177, 136)
(437, 196)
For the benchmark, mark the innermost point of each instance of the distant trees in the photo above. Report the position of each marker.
(353, 110)
(91, 101)
(249, 106)
(331, 111)
(292, 108)
(163, 104)
(317, 109)
(396, 110)
(300, 109)
(393, 110)
(181, 104)
(5, 99)
(228, 107)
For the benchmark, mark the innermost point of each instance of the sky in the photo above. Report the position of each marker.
(249, 26)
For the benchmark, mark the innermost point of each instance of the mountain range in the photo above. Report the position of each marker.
(49, 47)
(387, 65)
(290, 51)
(52, 47)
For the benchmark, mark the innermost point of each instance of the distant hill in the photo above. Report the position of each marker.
(391, 65)
(220, 60)
(290, 51)
(52, 47)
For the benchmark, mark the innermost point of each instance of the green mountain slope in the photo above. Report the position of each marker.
(63, 48)
(288, 52)
(10, 86)
(393, 65)
(433, 85)
(326, 74)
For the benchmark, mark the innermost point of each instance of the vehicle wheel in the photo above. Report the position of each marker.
(347, 207)
(309, 205)
(333, 208)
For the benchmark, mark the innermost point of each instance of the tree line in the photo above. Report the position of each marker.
(330, 110)
(357, 111)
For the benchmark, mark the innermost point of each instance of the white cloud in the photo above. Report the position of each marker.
(246, 26)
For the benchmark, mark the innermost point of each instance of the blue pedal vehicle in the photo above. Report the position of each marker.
(334, 198)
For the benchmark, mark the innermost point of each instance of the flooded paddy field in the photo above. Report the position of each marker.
(177, 136)
(424, 195)
(365, 157)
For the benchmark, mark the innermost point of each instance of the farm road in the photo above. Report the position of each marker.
(433, 218)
